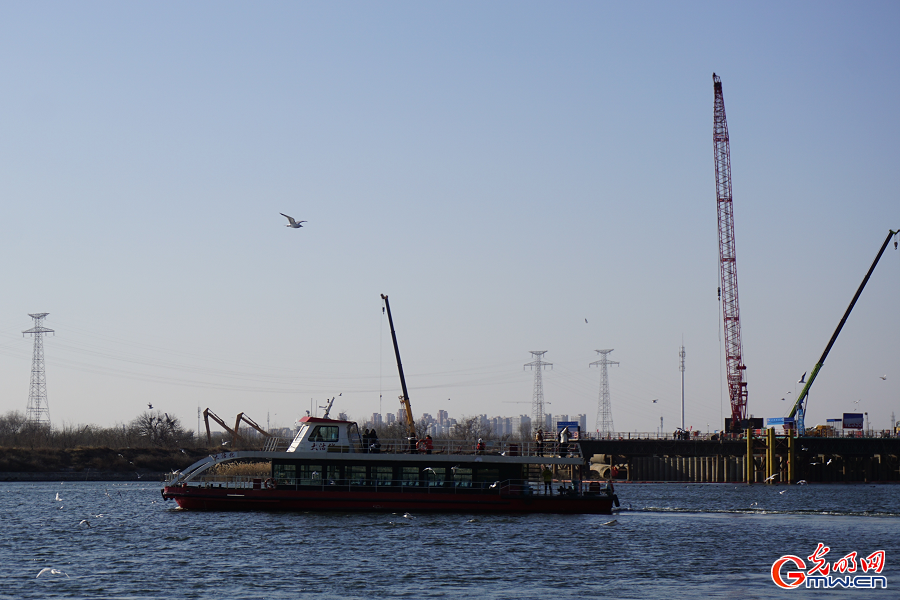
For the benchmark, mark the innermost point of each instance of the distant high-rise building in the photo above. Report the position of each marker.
(521, 426)
(582, 422)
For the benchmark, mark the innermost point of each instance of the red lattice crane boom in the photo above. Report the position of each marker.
(734, 364)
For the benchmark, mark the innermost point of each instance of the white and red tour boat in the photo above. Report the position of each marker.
(330, 466)
(327, 467)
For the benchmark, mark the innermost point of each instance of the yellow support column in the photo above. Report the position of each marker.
(791, 464)
(749, 462)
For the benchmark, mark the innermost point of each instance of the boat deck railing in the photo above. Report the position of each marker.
(504, 488)
(448, 446)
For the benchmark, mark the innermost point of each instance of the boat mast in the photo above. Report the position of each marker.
(404, 399)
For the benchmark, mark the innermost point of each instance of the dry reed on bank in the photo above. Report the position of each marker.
(242, 469)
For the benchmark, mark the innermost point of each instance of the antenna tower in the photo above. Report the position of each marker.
(604, 409)
(734, 363)
(681, 368)
(537, 399)
(38, 412)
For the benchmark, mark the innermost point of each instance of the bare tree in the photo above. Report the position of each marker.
(160, 429)
(471, 429)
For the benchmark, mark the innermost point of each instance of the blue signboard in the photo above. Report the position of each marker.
(853, 420)
(574, 429)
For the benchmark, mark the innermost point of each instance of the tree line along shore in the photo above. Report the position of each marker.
(147, 447)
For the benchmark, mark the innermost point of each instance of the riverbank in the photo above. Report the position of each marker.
(94, 464)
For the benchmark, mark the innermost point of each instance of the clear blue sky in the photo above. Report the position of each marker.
(503, 171)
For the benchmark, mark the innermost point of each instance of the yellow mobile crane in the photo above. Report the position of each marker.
(404, 399)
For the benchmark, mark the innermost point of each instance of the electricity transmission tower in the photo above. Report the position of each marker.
(604, 410)
(537, 399)
(38, 412)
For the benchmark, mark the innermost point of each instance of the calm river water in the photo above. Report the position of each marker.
(668, 541)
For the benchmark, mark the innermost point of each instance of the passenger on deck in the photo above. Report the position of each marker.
(539, 442)
(429, 444)
(547, 476)
(479, 447)
(564, 442)
(374, 445)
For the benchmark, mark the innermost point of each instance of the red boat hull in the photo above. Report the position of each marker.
(470, 501)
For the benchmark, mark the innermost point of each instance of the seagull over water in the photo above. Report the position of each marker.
(293, 223)
(51, 571)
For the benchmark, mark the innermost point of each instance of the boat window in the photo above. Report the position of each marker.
(383, 475)
(284, 474)
(332, 475)
(409, 476)
(487, 475)
(355, 438)
(434, 476)
(324, 433)
(462, 477)
(356, 474)
(310, 475)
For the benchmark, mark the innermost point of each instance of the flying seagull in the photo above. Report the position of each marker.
(293, 223)
(802, 378)
(655, 401)
(150, 406)
(51, 571)
(883, 377)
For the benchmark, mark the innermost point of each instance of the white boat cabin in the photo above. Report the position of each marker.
(326, 435)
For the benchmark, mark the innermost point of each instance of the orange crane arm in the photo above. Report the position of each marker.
(253, 424)
(206, 416)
